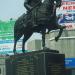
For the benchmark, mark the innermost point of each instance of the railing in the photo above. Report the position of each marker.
(61, 38)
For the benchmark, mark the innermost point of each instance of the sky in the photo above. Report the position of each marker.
(11, 9)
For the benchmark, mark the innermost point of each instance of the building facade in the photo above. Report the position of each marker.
(34, 45)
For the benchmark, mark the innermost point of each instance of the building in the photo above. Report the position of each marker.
(34, 45)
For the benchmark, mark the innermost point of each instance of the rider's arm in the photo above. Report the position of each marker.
(27, 6)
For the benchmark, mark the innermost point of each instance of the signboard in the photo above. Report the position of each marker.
(70, 26)
(67, 18)
(68, 0)
(6, 46)
(67, 14)
(68, 6)
(70, 62)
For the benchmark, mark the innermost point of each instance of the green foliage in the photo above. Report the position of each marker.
(6, 29)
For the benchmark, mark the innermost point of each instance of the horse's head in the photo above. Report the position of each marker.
(58, 3)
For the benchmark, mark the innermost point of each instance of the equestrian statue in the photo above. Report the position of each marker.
(39, 17)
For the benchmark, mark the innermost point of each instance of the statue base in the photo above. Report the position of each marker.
(42, 62)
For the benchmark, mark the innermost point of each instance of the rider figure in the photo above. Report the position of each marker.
(30, 5)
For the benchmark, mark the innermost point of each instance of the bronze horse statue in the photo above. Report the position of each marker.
(45, 18)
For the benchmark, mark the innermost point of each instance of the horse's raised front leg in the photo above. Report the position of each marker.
(60, 32)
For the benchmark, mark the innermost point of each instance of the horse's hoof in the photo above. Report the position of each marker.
(15, 53)
(23, 52)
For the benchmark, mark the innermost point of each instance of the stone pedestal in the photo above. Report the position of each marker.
(43, 62)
